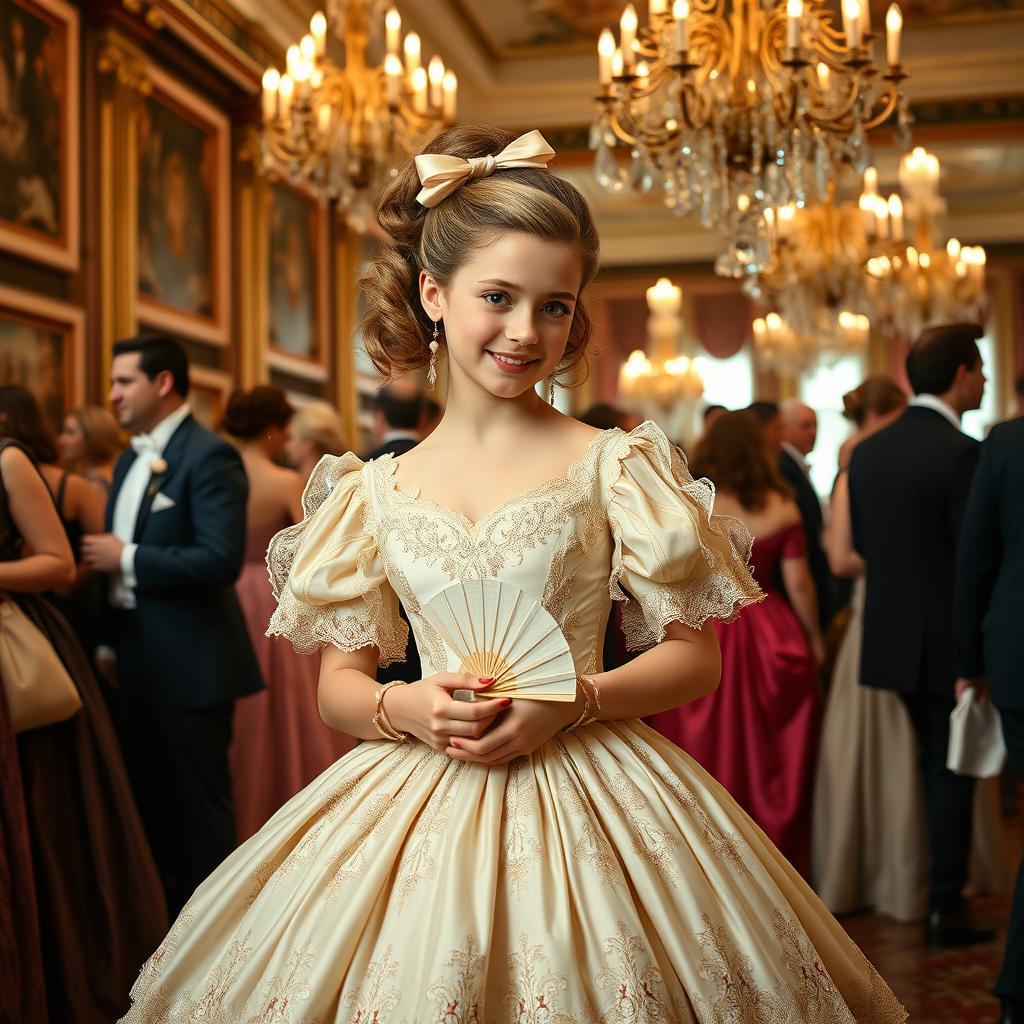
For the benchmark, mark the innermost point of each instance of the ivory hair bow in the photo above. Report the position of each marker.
(440, 174)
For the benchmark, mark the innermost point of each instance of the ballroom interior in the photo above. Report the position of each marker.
(208, 169)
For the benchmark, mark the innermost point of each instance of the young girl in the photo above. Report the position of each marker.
(495, 861)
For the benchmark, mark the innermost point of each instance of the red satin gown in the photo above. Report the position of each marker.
(758, 732)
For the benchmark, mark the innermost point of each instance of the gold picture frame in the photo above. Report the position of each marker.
(39, 132)
(297, 225)
(42, 346)
(208, 395)
(184, 212)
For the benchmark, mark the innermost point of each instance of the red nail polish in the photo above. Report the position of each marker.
(486, 679)
(456, 744)
(505, 703)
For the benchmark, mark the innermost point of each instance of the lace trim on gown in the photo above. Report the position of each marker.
(349, 624)
(720, 582)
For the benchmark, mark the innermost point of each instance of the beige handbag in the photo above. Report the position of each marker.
(37, 685)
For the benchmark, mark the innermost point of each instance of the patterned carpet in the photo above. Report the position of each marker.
(942, 986)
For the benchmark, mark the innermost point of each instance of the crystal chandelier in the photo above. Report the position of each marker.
(345, 129)
(665, 377)
(914, 278)
(733, 109)
(778, 345)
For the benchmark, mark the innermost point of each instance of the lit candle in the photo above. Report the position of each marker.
(896, 218)
(393, 30)
(285, 91)
(393, 73)
(656, 8)
(449, 87)
(823, 76)
(419, 90)
(865, 19)
(412, 54)
(435, 72)
(893, 28)
(881, 217)
(271, 81)
(627, 31)
(794, 12)
(769, 222)
(786, 216)
(318, 29)
(851, 22)
(681, 14)
(617, 67)
(307, 48)
(871, 181)
(303, 73)
(953, 249)
(925, 260)
(292, 59)
(866, 203)
(605, 52)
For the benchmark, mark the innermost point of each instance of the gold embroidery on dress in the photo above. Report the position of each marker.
(460, 1000)
(592, 847)
(814, 994)
(736, 999)
(417, 865)
(520, 850)
(532, 995)
(280, 992)
(375, 998)
(872, 1001)
(637, 996)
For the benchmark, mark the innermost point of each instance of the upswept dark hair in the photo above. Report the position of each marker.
(395, 328)
(938, 353)
(403, 412)
(22, 420)
(734, 457)
(878, 394)
(158, 353)
(250, 413)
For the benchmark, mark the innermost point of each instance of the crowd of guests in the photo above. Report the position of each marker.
(135, 543)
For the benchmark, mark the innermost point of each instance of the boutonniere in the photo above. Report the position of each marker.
(157, 470)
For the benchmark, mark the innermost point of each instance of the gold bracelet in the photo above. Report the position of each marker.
(591, 702)
(381, 722)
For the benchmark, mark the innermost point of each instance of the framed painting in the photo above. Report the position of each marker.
(39, 126)
(42, 347)
(296, 266)
(184, 212)
(208, 395)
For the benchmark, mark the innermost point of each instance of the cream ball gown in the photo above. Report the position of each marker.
(604, 878)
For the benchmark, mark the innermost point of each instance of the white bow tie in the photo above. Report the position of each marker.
(143, 444)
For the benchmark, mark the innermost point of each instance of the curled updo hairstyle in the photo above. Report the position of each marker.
(878, 395)
(251, 413)
(395, 328)
(733, 456)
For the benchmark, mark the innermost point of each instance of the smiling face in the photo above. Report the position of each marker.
(507, 312)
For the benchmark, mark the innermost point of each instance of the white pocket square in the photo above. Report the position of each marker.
(161, 502)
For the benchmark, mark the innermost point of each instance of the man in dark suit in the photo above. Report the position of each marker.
(799, 434)
(398, 409)
(990, 642)
(908, 491)
(174, 549)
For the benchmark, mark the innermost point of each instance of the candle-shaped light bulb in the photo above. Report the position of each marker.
(893, 28)
(642, 71)
(656, 8)
(412, 53)
(681, 34)
(307, 48)
(292, 59)
(824, 75)
(925, 260)
(871, 180)
(393, 73)
(627, 33)
(393, 30)
(865, 19)
(450, 88)
(953, 250)
(895, 218)
(605, 52)
(271, 82)
(285, 91)
(851, 22)
(774, 321)
(617, 64)
(435, 72)
(318, 30)
(794, 12)
(419, 90)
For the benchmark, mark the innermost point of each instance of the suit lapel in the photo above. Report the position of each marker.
(173, 455)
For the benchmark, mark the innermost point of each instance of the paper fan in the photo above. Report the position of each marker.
(496, 630)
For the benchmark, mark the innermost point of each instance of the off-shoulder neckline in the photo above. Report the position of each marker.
(572, 471)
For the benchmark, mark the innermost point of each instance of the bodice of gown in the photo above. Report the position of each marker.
(627, 522)
(767, 553)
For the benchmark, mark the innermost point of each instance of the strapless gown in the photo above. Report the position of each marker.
(279, 741)
(606, 877)
(758, 732)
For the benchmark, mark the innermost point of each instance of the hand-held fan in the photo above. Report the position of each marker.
(497, 631)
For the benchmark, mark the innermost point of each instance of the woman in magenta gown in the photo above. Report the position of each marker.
(757, 733)
(280, 742)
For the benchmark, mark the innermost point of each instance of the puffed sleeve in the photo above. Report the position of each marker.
(327, 574)
(672, 559)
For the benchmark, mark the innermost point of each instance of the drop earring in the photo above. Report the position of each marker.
(551, 390)
(432, 366)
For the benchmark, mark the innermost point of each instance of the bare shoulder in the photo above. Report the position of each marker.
(786, 509)
(14, 460)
